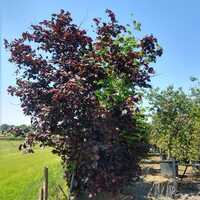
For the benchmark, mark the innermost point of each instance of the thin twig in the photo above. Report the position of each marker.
(59, 186)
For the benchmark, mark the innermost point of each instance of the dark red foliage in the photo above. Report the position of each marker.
(57, 80)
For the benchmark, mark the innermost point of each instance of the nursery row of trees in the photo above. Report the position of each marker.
(175, 121)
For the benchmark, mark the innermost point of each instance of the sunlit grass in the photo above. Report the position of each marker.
(21, 174)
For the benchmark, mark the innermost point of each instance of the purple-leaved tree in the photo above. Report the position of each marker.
(82, 94)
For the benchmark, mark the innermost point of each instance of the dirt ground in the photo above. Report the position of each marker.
(188, 188)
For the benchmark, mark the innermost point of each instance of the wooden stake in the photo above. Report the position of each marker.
(45, 185)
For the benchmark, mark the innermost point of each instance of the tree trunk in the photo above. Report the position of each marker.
(169, 153)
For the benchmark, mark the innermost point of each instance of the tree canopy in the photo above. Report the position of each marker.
(175, 123)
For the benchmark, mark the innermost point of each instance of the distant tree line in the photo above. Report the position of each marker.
(15, 130)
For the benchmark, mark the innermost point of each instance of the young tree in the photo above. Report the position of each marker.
(82, 94)
(195, 143)
(174, 120)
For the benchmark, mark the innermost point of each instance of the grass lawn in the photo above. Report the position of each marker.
(21, 174)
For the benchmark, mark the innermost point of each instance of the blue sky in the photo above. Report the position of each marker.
(174, 22)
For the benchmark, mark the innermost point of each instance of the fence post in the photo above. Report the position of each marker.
(45, 184)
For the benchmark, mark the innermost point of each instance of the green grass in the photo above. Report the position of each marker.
(21, 174)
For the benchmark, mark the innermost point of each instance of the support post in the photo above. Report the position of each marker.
(45, 184)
